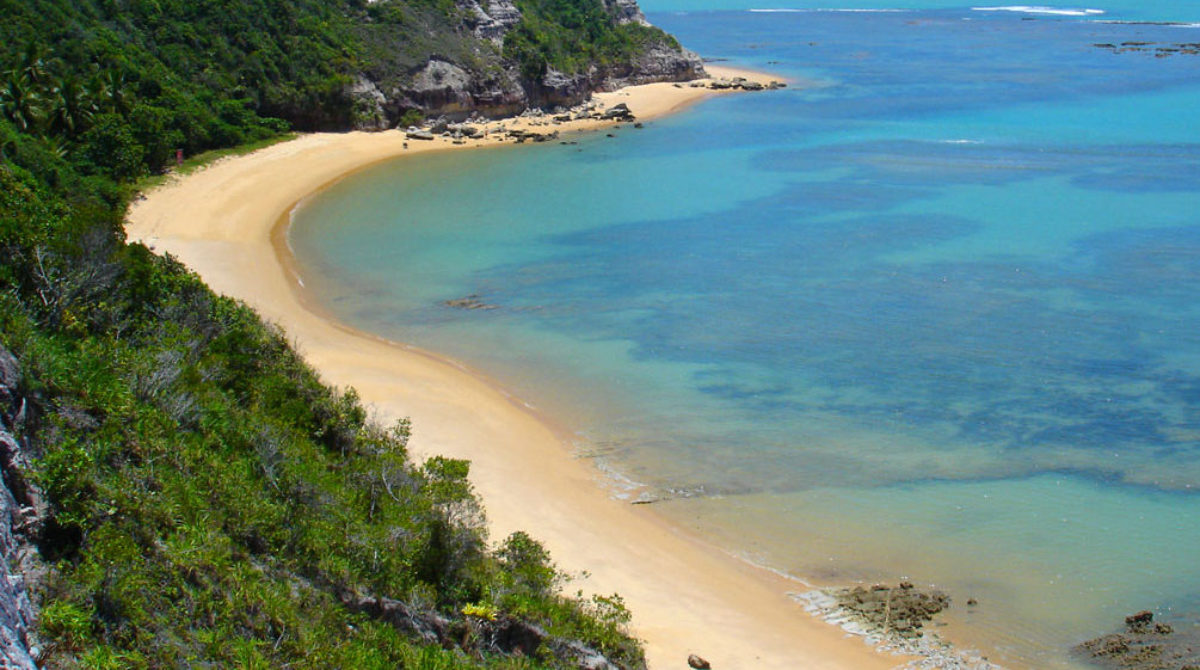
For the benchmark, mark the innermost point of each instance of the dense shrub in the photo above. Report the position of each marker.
(211, 502)
(570, 35)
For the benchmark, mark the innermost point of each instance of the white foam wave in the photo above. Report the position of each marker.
(1029, 9)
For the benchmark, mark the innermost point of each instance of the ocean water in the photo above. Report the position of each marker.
(929, 313)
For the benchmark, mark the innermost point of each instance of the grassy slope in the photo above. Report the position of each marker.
(211, 502)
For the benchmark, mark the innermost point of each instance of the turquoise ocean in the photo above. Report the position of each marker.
(932, 312)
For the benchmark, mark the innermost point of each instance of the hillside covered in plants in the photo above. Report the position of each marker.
(180, 489)
(198, 74)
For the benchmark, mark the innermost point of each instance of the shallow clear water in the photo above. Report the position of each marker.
(932, 315)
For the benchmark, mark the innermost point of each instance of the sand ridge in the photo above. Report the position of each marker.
(224, 223)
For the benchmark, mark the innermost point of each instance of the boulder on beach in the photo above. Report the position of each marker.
(618, 112)
(463, 130)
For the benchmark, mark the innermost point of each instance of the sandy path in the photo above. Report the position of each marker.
(686, 596)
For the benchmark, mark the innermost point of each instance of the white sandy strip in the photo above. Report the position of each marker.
(686, 596)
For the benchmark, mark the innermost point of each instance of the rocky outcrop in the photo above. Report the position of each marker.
(441, 88)
(742, 84)
(1144, 645)
(443, 85)
(659, 63)
(369, 103)
(901, 610)
(491, 20)
(478, 79)
(557, 89)
(21, 512)
(626, 11)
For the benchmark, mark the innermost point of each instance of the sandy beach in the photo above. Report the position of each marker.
(226, 223)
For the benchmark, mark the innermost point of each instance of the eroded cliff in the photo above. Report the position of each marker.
(499, 57)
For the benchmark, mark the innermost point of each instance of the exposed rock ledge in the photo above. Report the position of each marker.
(486, 84)
(892, 619)
(1144, 645)
(21, 514)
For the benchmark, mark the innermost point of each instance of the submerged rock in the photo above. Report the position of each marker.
(472, 301)
(1143, 645)
(900, 610)
(842, 607)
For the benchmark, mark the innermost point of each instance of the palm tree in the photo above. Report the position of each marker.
(34, 66)
(19, 102)
(71, 109)
(107, 89)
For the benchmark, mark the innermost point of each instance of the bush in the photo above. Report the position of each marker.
(110, 147)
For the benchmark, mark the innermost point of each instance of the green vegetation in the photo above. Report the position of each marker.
(211, 502)
(569, 35)
(399, 37)
(128, 83)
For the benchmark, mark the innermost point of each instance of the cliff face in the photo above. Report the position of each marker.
(475, 70)
(21, 510)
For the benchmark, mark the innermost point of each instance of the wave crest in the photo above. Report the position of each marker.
(1028, 9)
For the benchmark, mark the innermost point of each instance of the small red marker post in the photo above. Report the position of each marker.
(179, 157)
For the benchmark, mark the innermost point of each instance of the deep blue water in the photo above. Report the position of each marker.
(930, 312)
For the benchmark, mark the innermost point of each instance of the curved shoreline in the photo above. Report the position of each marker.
(225, 223)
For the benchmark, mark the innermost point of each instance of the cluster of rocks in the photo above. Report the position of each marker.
(478, 128)
(589, 110)
(618, 112)
(458, 132)
(893, 619)
(737, 84)
(475, 126)
(519, 136)
(22, 513)
(1143, 645)
(1152, 48)
(874, 612)
(902, 610)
